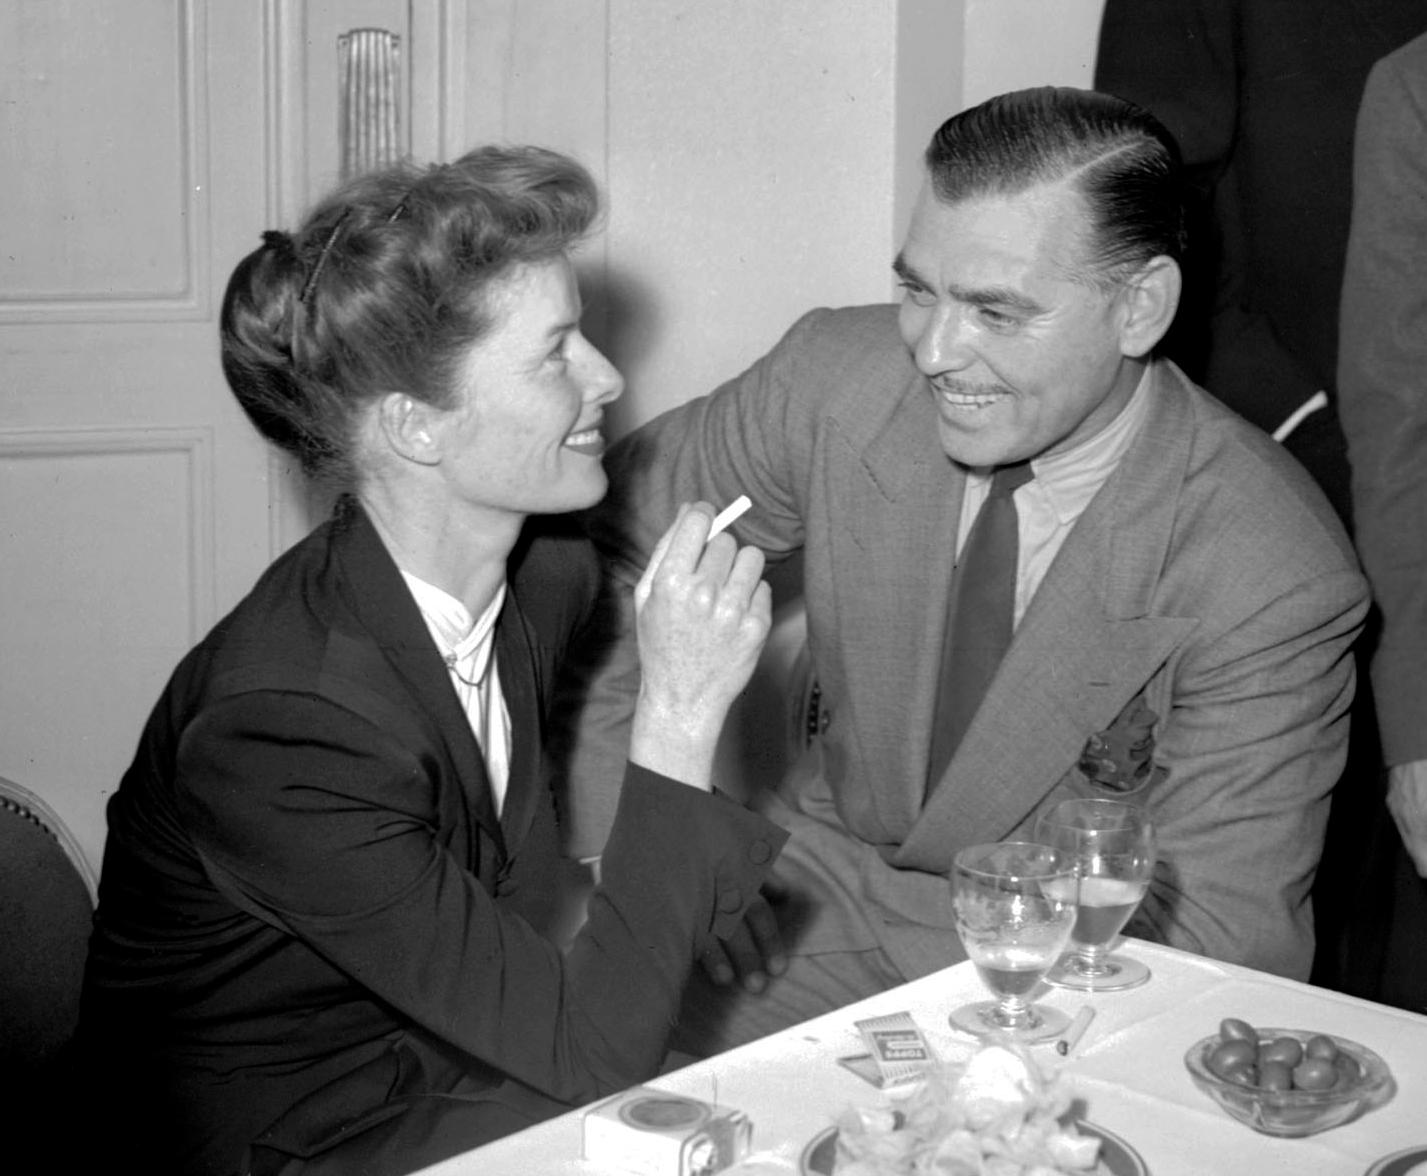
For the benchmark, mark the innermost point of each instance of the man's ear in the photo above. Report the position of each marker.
(1149, 301)
(410, 427)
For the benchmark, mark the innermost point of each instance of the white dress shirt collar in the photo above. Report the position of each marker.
(1070, 479)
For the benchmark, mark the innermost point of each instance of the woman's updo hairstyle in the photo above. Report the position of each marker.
(385, 287)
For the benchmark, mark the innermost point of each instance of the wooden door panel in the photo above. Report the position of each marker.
(146, 147)
(98, 607)
(104, 119)
(135, 500)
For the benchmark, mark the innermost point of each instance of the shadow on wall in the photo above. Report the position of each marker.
(766, 727)
(623, 318)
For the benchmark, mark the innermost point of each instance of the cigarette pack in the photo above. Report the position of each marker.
(897, 1051)
(654, 1133)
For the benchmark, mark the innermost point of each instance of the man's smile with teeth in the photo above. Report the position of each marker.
(968, 398)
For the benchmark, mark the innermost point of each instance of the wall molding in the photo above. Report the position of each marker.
(192, 301)
(438, 91)
(195, 445)
(434, 100)
(285, 81)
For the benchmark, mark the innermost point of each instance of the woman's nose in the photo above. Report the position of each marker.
(602, 379)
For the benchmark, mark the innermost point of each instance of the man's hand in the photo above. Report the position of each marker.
(755, 950)
(1407, 801)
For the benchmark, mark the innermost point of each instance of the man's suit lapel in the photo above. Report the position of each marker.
(375, 592)
(1086, 646)
(891, 539)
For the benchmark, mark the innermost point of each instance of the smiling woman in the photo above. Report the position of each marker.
(318, 942)
(527, 436)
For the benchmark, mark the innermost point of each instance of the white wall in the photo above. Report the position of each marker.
(760, 156)
(750, 159)
(1012, 44)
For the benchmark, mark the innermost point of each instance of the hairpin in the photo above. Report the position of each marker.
(316, 273)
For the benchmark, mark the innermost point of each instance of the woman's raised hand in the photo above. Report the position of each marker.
(703, 613)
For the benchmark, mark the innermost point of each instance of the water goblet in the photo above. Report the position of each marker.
(1112, 843)
(1014, 904)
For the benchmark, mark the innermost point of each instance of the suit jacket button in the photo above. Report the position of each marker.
(759, 852)
(730, 900)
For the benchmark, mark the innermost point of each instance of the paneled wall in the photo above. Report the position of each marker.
(147, 145)
(132, 498)
(759, 155)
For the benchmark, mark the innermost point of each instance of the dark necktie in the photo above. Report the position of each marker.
(983, 601)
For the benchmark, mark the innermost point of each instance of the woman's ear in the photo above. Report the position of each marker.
(1149, 301)
(410, 428)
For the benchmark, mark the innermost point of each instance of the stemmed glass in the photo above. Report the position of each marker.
(1112, 843)
(1015, 904)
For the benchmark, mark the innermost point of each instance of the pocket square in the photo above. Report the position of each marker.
(1121, 757)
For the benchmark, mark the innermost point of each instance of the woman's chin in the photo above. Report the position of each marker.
(577, 494)
(598, 488)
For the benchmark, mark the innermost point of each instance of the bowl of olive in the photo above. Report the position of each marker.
(1287, 1082)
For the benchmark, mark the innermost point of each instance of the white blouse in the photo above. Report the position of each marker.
(467, 645)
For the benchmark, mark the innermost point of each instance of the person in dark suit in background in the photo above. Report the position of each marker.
(315, 948)
(1382, 385)
(1262, 96)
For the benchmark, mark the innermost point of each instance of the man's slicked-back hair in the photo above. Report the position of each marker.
(1118, 156)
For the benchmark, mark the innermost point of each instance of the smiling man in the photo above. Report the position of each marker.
(1179, 598)
(1023, 360)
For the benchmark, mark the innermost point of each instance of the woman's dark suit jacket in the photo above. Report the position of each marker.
(309, 914)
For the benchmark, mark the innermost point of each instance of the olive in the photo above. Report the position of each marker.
(1233, 1029)
(1281, 1049)
(1275, 1075)
(1228, 1055)
(1315, 1074)
(1320, 1046)
(1349, 1072)
(1240, 1074)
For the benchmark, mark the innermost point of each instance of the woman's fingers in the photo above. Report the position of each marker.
(708, 573)
(702, 603)
(746, 574)
(703, 614)
(656, 560)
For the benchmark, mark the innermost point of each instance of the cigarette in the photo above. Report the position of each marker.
(729, 514)
(1075, 1031)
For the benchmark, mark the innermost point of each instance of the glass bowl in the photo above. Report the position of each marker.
(1292, 1113)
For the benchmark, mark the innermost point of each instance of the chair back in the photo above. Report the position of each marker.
(47, 898)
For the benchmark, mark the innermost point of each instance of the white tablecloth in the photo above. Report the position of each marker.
(1128, 1068)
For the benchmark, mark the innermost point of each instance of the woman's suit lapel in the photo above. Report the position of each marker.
(377, 596)
(516, 658)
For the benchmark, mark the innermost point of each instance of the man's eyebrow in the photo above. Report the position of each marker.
(997, 296)
(1000, 296)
